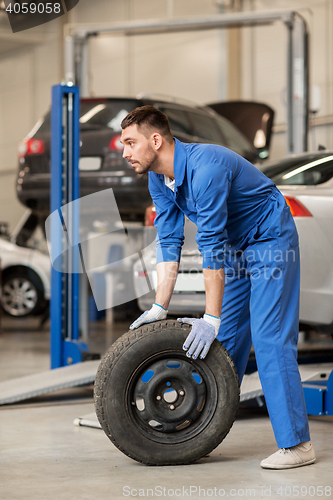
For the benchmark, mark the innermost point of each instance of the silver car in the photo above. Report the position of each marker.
(306, 181)
(25, 275)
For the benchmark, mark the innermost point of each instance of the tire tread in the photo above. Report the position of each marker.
(111, 358)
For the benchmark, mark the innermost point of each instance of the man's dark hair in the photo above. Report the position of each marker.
(149, 119)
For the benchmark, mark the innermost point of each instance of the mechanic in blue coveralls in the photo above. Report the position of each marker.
(249, 244)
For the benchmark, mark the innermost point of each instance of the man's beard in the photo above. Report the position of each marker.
(145, 165)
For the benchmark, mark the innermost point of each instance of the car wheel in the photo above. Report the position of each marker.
(160, 407)
(22, 293)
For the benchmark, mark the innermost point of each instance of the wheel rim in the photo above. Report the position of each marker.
(172, 398)
(19, 296)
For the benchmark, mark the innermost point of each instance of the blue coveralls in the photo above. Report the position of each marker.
(245, 226)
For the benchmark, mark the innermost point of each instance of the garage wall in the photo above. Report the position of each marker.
(264, 65)
(185, 65)
(164, 64)
(197, 66)
(26, 77)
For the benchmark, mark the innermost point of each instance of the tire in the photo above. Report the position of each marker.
(135, 389)
(22, 293)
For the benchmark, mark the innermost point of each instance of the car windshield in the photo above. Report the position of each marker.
(199, 125)
(310, 170)
(234, 138)
(99, 113)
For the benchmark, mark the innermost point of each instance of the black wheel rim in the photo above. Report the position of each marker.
(171, 398)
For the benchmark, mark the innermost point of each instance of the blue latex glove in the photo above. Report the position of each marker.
(156, 313)
(203, 332)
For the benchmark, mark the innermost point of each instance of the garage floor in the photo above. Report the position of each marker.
(44, 456)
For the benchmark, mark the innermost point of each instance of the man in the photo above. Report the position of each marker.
(249, 242)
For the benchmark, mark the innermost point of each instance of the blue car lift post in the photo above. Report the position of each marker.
(319, 396)
(66, 350)
(65, 346)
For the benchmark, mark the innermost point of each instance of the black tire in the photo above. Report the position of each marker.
(22, 293)
(203, 412)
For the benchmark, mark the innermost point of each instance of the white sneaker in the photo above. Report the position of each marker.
(288, 458)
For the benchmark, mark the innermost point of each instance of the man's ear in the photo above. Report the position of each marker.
(157, 140)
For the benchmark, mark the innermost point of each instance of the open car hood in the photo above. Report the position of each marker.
(253, 119)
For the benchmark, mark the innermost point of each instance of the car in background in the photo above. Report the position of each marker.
(306, 181)
(101, 163)
(25, 270)
(254, 119)
(189, 292)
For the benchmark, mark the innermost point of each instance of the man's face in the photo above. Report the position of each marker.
(138, 149)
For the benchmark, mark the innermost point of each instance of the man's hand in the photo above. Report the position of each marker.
(156, 313)
(204, 331)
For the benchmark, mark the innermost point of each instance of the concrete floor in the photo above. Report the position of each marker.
(44, 456)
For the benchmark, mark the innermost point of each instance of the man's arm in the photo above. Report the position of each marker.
(211, 186)
(206, 329)
(214, 288)
(170, 237)
(166, 279)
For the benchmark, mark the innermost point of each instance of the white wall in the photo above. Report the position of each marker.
(264, 63)
(183, 65)
(187, 65)
(26, 77)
